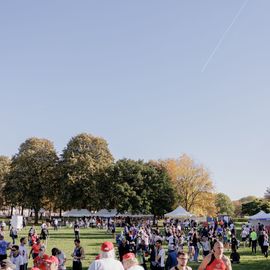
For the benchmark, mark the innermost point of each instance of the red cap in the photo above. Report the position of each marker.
(107, 246)
(129, 256)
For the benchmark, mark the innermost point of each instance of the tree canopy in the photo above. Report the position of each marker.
(137, 187)
(82, 161)
(32, 174)
(193, 185)
(224, 204)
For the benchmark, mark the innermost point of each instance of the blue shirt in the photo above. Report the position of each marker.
(3, 247)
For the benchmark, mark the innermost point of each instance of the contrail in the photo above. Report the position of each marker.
(223, 36)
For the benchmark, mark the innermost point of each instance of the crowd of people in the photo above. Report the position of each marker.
(142, 245)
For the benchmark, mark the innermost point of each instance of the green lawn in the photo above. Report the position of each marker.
(91, 240)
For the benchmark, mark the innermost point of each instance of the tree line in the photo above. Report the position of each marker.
(85, 175)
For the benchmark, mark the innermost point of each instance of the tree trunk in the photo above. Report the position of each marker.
(60, 214)
(22, 211)
(36, 216)
(11, 211)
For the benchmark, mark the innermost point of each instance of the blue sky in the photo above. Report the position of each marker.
(131, 72)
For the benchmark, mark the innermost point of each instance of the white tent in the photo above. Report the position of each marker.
(179, 212)
(77, 213)
(106, 213)
(260, 216)
(138, 215)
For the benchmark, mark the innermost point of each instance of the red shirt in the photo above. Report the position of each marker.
(41, 262)
(217, 264)
(36, 248)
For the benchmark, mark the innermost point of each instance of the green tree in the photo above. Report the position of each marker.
(32, 174)
(224, 204)
(238, 204)
(82, 161)
(159, 188)
(253, 207)
(5, 163)
(136, 187)
(122, 187)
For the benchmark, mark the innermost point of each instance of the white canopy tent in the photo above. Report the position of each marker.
(106, 213)
(179, 212)
(138, 215)
(77, 213)
(261, 217)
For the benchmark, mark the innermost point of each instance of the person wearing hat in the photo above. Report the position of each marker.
(107, 261)
(130, 262)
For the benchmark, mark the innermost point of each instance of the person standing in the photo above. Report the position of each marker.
(24, 252)
(78, 255)
(182, 259)
(107, 261)
(76, 231)
(172, 258)
(130, 262)
(16, 258)
(265, 244)
(41, 260)
(4, 246)
(60, 255)
(216, 259)
(253, 237)
(159, 255)
(13, 233)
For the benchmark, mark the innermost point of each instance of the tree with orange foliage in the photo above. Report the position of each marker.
(193, 186)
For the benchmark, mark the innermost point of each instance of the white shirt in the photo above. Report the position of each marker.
(106, 264)
(61, 258)
(136, 267)
(18, 261)
(161, 253)
(23, 253)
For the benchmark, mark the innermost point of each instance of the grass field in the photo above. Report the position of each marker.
(91, 239)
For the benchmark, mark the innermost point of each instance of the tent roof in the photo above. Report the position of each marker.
(77, 213)
(106, 213)
(260, 216)
(179, 212)
(138, 215)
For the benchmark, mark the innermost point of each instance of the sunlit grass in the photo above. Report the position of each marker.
(91, 240)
